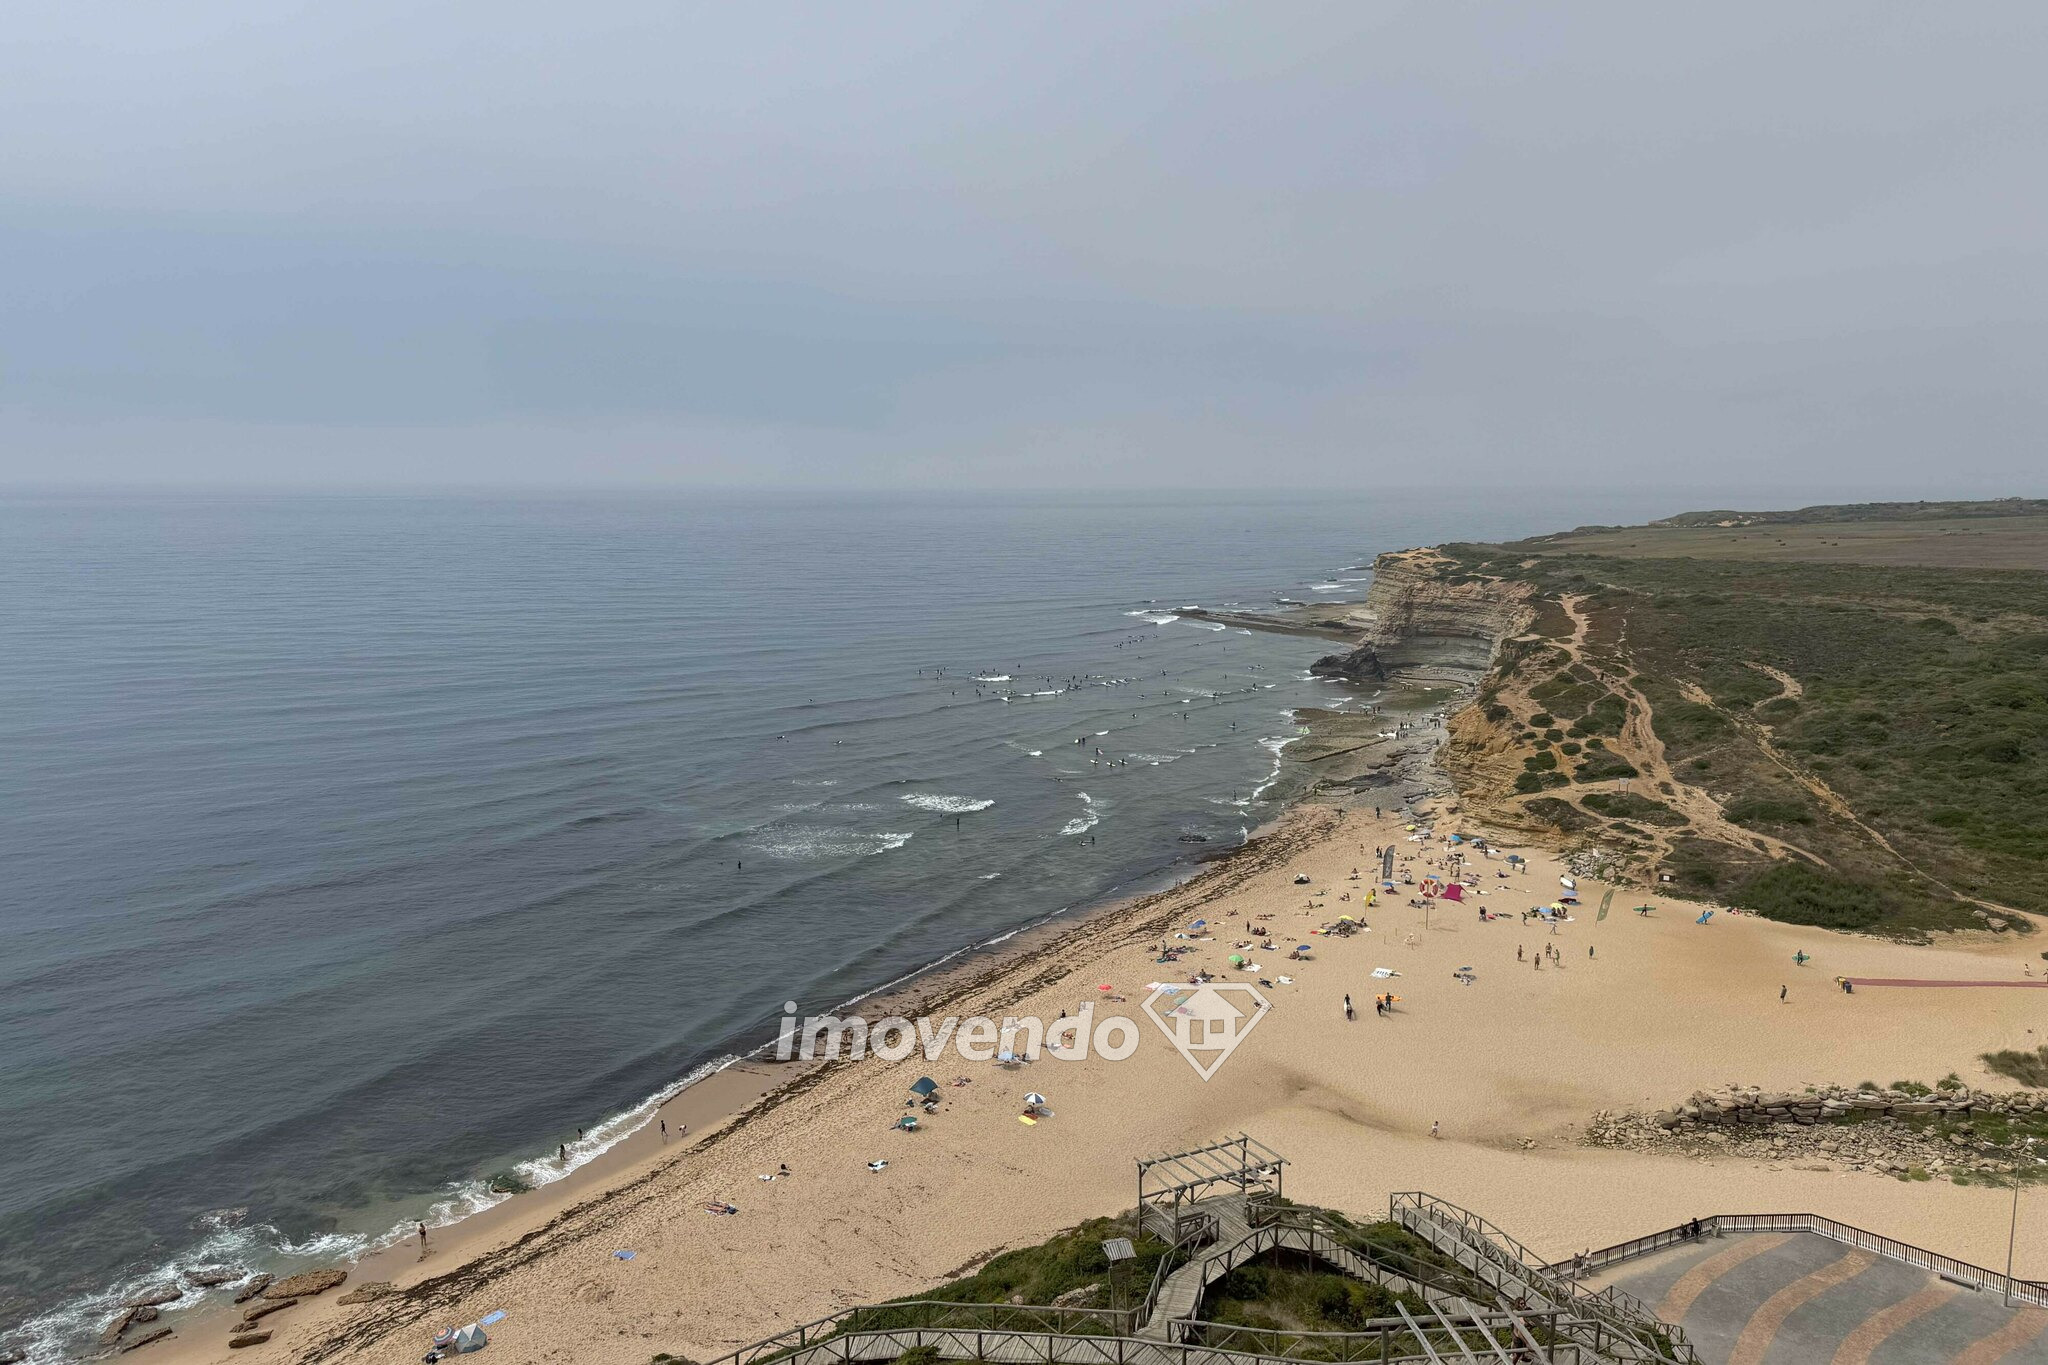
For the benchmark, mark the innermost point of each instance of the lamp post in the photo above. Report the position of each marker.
(2011, 1236)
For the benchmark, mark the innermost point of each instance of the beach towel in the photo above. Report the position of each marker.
(1027, 1119)
(492, 1318)
(622, 1255)
(1384, 972)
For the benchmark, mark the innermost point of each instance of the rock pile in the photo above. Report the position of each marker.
(1834, 1129)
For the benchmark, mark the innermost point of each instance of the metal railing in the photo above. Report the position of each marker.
(1395, 1338)
(1028, 1348)
(936, 1315)
(2033, 1293)
(1628, 1328)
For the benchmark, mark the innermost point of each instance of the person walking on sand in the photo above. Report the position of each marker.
(1436, 1129)
(1589, 950)
(1349, 1013)
(664, 1130)
(1781, 994)
(1518, 953)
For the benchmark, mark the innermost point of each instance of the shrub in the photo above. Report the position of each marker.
(1599, 767)
(2028, 1068)
(1541, 720)
(1764, 810)
(1541, 762)
(1799, 893)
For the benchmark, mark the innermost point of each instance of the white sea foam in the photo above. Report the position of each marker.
(55, 1336)
(1157, 619)
(798, 842)
(1154, 759)
(1035, 753)
(948, 805)
(1088, 819)
(992, 677)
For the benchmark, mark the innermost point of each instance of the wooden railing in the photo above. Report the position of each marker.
(2033, 1293)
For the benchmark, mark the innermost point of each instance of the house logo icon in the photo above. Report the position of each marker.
(1206, 1022)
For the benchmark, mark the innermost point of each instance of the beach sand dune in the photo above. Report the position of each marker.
(1511, 1066)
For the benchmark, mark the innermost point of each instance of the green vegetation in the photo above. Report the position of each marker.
(1563, 814)
(1923, 706)
(1757, 811)
(1300, 1300)
(1539, 781)
(1602, 766)
(1066, 1262)
(2028, 1068)
(1542, 762)
(1630, 806)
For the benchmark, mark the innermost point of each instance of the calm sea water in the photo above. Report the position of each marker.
(356, 847)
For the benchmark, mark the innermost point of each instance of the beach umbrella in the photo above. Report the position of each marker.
(1198, 924)
(1237, 959)
(923, 1085)
(1034, 1098)
(1105, 987)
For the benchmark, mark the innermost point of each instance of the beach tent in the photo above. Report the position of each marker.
(1454, 892)
(470, 1338)
(923, 1085)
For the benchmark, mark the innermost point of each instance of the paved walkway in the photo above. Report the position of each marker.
(1767, 1298)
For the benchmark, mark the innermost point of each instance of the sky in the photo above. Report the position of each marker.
(1742, 247)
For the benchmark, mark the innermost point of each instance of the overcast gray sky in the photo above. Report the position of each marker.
(1752, 246)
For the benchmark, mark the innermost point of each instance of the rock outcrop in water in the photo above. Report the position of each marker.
(1361, 665)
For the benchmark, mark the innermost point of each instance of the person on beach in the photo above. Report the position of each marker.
(1518, 953)
(423, 1241)
(1781, 994)
(1349, 1014)
(664, 1130)
(1436, 1129)
(562, 1153)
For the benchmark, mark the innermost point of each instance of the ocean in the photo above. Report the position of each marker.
(358, 847)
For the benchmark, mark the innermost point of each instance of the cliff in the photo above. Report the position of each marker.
(1429, 616)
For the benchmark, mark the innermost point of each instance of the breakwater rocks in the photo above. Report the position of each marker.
(1909, 1131)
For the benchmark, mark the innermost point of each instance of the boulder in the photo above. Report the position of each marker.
(161, 1294)
(310, 1282)
(252, 1289)
(206, 1277)
(146, 1313)
(265, 1309)
(241, 1339)
(369, 1292)
(111, 1333)
(158, 1335)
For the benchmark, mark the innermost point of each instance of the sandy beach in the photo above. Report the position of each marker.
(1635, 1012)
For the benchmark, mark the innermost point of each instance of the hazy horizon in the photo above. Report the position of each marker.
(1783, 256)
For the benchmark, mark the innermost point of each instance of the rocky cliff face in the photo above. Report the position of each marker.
(1427, 617)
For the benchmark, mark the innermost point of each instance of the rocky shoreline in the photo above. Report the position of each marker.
(1908, 1132)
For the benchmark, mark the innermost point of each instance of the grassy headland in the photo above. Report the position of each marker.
(1862, 746)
